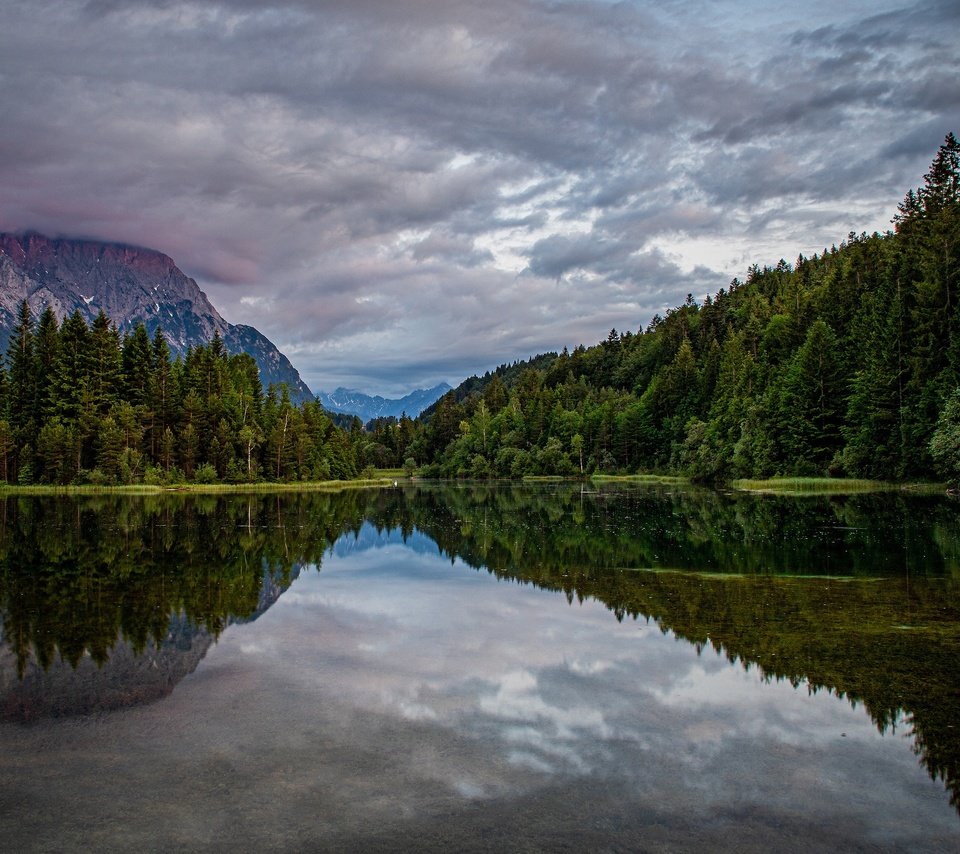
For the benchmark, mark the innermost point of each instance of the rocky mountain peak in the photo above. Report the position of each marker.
(132, 285)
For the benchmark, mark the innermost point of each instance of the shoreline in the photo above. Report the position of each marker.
(196, 488)
(796, 486)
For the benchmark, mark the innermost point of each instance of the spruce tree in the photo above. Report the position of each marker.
(137, 366)
(104, 364)
(46, 355)
(22, 370)
(161, 384)
(72, 369)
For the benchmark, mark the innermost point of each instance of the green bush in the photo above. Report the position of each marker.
(205, 474)
(945, 444)
(153, 476)
(95, 477)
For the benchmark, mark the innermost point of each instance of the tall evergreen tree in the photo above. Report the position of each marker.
(46, 354)
(162, 392)
(72, 369)
(810, 405)
(104, 364)
(137, 366)
(21, 395)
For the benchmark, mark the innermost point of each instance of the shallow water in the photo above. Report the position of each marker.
(480, 669)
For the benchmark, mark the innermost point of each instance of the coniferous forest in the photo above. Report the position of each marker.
(80, 405)
(846, 363)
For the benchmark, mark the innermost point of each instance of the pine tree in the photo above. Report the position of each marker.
(167, 447)
(137, 366)
(161, 385)
(22, 386)
(7, 450)
(928, 237)
(104, 363)
(189, 449)
(811, 400)
(72, 367)
(46, 355)
(874, 425)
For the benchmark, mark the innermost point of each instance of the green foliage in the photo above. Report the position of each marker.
(844, 363)
(78, 405)
(945, 444)
(205, 474)
(840, 364)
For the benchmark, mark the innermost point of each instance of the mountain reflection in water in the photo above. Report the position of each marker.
(111, 601)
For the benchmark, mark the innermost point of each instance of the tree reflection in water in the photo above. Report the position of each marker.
(856, 595)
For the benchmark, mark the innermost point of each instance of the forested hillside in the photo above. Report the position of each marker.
(847, 362)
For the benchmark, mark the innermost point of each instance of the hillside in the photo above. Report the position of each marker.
(846, 363)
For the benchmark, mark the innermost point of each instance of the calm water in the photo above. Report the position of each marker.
(480, 669)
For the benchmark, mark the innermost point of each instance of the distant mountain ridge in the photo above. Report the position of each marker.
(366, 407)
(132, 285)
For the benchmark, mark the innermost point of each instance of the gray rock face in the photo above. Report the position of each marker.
(132, 285)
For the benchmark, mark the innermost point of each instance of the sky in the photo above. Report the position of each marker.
(402, 192)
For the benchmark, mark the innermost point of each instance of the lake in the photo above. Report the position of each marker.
(549, 667)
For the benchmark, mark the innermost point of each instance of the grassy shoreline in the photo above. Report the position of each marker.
(829, 485)
(799, 486)
(665, 479)
(200, 488)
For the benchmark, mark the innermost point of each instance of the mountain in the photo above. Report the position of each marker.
(352, 402)
(132, 285)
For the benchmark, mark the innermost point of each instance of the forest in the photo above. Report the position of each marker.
(846, 363)
(80, 405)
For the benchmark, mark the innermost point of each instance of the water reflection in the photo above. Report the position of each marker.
(111, 602)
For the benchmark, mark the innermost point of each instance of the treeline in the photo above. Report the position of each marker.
(845, 363)
(80, 404)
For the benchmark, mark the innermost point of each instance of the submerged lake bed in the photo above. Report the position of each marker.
(481, 668)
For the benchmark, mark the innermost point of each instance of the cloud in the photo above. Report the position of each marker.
(416, 190)
(450, 248)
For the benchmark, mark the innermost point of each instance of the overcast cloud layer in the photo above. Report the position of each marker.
(399, 192)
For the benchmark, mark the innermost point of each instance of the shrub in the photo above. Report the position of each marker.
(205, 474)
